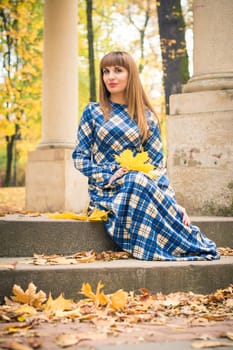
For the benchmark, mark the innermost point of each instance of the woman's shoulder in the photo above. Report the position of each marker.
(92, 106)
(92, 109)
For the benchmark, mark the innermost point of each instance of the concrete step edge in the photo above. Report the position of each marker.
(130, 275)
(22, 236)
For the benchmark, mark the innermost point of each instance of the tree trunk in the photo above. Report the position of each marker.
(173, 47)
(9, 158)
(91, 57)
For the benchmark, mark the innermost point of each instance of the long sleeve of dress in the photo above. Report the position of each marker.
(100, 173)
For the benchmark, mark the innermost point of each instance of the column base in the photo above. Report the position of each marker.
(200, 151)
(206, 82)
(52, 182)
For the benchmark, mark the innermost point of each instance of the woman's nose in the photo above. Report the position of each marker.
(111, 75)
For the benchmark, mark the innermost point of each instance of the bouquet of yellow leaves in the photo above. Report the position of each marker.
(96, 215)
(135, 163)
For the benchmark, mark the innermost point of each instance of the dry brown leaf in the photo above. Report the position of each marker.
(22, 327)
(209, 344)
(229, 303)
(8, 266)
(85, 257)
(58, 304)
(69, 314)
(11, 344)
(30, 296)
(229, 335)
(79, 257)
(24, 311)
(225, 251)
(67, 339)
(99, 297)
(87, 291)
(119, 300)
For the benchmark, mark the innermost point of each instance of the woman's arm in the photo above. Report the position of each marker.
(82, 154)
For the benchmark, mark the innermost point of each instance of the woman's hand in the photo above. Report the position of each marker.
(186, 220)
(117, 174)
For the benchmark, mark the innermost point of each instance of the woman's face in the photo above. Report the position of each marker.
(115, 79)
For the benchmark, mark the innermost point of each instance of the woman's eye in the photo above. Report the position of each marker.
(105, 71)
(118, 70)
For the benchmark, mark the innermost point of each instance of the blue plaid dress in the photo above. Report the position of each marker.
(143, 217)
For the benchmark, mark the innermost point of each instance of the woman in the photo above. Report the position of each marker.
(144, 218)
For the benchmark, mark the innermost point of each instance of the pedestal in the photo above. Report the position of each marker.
(55, 185)
(200, 151)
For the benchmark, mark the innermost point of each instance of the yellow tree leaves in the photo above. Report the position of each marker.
(138, 162)
(7, 128)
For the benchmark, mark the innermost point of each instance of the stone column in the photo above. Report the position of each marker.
(200, 125)
(52, 183)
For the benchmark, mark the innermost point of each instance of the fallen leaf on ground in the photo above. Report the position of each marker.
(11, 344)
(8, 266)
(24, 311)
(79, 257)
(22, 327)
(121, 308)
(67, 339)
(99, 297)
(119, 300)
(209, 344)
(58, 304)
(30, 296)
(96, 215)
(225, 251)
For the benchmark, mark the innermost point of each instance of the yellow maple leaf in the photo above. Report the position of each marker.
(96, 215)
(87, 291)
(30, 296)
(58, 304)
(99, 297)
(138, 162)
(119, 300)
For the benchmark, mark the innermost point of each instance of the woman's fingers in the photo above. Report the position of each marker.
(186, 220)
(117, 174)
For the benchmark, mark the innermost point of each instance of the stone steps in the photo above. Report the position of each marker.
(21, 236)
(25, 235)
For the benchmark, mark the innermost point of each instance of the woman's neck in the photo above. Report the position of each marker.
(118, 99)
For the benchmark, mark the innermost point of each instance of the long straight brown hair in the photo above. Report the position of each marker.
(136, 98)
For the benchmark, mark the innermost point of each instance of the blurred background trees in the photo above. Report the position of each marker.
(152, 31)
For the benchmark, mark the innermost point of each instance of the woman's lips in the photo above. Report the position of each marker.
(112, 85)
